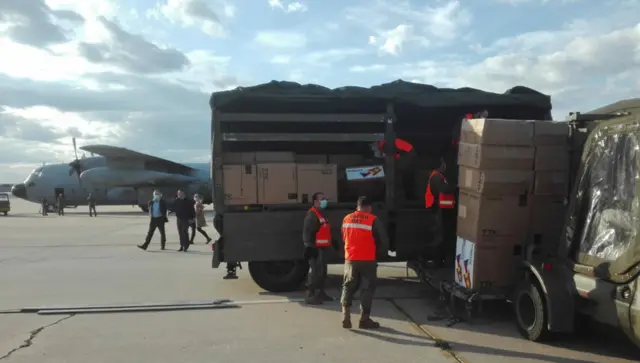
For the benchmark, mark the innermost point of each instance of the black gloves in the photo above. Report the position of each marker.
(310, 252)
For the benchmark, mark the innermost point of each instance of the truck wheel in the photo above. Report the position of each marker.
(144, 208)
(279, 276)
(531, 312)
(5, 213)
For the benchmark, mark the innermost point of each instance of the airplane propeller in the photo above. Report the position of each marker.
(76, 166)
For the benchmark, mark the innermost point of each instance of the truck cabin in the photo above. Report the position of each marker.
(338, 126)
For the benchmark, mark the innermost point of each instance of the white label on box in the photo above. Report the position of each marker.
(464, 263)
(365, 172)
(462, 211)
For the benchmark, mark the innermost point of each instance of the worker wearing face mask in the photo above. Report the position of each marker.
(316, 235)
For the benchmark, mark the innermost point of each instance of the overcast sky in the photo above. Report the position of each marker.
(138, 73)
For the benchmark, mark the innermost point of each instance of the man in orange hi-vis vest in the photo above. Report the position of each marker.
(364, 239)
(316, 236)
(438, 196)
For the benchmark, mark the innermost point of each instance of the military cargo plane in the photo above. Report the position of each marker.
(117, 176)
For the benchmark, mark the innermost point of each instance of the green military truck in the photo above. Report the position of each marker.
(339, 124)
(591, 271)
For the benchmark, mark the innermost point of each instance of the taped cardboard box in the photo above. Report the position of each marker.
(550, 182)
(495, 181)
(496, 157)
(314, 178)
(493, 218)
(240, 184)
(487, 131)
(487, 268)
(277, 183)
(547, 220)
(551, 158)
(550, 133)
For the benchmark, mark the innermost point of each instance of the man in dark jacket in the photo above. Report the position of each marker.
(185, 212)
(316, 236)
(91, 201)
(157, 219)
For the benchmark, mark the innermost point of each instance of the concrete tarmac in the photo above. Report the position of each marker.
(77, 260)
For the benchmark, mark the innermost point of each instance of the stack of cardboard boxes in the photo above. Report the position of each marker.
(512, 179)
(277, 178)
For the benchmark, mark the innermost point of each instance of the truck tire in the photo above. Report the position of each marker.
(144, 208)
(279, 276)
(531, 312)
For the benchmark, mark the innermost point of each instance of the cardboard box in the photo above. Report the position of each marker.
(486, 268)
(314, 178)
(550, 133)
(497, 132)
(238, 158)
(495, 181)
(240, 184)
(493, 219)
(274, 157)
(277, 183)
(547, 220)
(551, 158)
(550, 182)
(496, 157)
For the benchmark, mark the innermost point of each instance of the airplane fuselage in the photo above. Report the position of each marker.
(109, 185)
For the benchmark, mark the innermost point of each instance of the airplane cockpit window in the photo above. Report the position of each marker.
(31, 184)
(36, 173)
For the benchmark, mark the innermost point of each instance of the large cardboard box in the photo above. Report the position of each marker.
(314, 178)
(274, 157)
(550, 182)
(550, 133)
(277, 183)
(547, 220)
(495, 181)
(240, 184)
(497, 132)
(486, 268)
(493, 219)
(551, 158)
(496, 157)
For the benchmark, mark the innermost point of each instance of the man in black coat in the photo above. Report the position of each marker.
(185, 212)
(157, 219)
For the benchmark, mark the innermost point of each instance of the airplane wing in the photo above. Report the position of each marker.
(129, 159)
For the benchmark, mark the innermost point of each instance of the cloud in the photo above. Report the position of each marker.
(132, 52)
(280, 39)
(196, 13)
(291, 7)
(35, 23)
(396, 23)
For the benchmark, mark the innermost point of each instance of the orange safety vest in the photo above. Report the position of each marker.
(323, 236)
(401, 145)
(445, 200)
(357, 233)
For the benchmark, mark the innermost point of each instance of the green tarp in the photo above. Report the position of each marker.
(281, 96)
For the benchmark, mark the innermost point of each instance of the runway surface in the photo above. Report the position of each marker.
(77, 260)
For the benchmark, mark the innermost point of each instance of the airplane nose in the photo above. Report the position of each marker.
(19, 191)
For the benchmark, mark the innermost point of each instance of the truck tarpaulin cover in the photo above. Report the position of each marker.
(606, 203)
(407, 97)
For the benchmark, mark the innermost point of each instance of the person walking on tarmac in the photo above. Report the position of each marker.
(364, 237)
(185, 213)
(91, 201)
(438, 197)
(316, 236)
(60, 204)
(405, 159)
